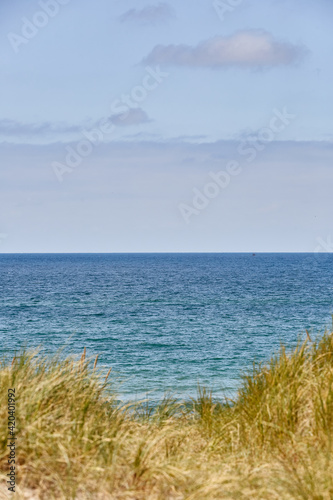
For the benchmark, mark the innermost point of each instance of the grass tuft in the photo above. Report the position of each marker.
(75, 441)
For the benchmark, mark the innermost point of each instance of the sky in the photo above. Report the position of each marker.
(166, 126)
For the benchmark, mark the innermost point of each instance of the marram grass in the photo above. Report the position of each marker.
(75, 442)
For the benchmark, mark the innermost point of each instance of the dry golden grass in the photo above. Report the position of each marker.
(75, 442)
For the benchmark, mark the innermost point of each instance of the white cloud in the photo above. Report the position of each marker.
(248, 49)
(151, 14)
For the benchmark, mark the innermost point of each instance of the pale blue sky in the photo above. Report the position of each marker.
(201, 90)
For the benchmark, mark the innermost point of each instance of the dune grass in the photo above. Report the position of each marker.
(74, 441)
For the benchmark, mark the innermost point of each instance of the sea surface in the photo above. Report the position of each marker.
(165, 321)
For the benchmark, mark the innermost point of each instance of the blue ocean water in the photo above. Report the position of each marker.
(165, 321)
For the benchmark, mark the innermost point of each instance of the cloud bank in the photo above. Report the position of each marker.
(244, 49)
(125, 197)
(151, 14)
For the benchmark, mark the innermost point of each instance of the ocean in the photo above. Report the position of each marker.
(165, 322)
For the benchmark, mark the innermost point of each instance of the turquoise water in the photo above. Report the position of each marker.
(165, 321)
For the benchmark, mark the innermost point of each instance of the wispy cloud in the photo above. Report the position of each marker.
(151, 14)
(244, 49)
(134, 116)
(13, 128)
